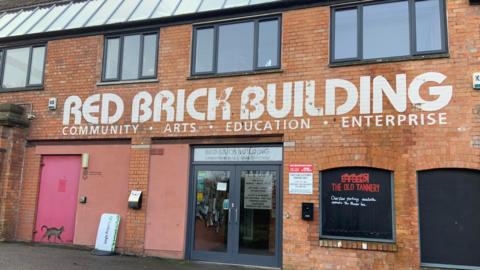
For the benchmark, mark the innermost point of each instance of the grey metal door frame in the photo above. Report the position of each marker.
(232, 256)
(259, 260)
(209, 255)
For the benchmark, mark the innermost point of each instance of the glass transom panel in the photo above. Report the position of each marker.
(78, 14)
(144, 10)
(17, 22)
(6, 19)
(188, 7)
(60, 16)
(50, 18)
(85, 14)
(124, 11)
(104, 12)
(31, 21)
(211, 5)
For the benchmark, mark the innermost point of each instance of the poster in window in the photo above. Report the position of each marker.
(258, 191)
(356, 203)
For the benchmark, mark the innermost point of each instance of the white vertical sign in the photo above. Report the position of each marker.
(300, 179)
(107, 234)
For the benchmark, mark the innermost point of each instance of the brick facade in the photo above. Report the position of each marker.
(12, 148)
(73, 67)
(138, 180)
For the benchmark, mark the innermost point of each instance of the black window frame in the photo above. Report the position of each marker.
(392, 240)
(413, 54)
(121, 37)
(215, 26)
(28, 85)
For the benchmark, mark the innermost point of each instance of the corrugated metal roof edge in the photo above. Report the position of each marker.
(40, 5)
(163, 21)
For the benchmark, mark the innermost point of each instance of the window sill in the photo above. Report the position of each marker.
(127, 82)
(360, 245)
(429, 266)
(234, 74)
(389, 60)
(21, 89)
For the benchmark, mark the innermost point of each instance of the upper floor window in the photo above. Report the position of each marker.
(22, 67)
(401, 28)
(232, 47)
(130, 57)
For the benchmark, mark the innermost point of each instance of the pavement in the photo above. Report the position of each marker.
(20, 256)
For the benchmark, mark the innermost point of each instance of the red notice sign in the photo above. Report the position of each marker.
(300, 179)
(300, 168)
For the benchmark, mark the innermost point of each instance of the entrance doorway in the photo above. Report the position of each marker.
(57, 203)
(235, 212)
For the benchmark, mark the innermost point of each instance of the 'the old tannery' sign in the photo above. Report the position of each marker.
(100, 114)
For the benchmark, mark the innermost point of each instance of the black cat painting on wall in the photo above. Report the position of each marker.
(52, 231)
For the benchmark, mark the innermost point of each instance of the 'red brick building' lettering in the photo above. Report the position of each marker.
(292, 134)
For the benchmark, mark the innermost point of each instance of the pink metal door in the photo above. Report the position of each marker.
(57, 201)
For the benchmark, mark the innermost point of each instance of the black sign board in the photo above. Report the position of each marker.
(356, 203)
(449, 204)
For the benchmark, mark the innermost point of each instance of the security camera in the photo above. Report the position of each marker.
(31, 116)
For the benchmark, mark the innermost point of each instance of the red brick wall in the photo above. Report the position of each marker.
(74, 67)
(28, 195)
(12, 145)
(138, 180)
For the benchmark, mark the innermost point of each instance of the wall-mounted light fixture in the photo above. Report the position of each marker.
(52, 104)
(85, 160)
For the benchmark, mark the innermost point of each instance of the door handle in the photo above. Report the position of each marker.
(229, 219)
(236, 215)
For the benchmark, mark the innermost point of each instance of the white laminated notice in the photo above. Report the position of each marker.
(300, 179)
(258, 191)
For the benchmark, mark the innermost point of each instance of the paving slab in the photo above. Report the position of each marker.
(20, 256)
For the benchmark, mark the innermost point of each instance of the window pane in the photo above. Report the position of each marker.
(268, 44)
(345, 34)
(6, 19)
(47, 20)
(187, 6)
(131, 57)
(204, 50)
(149, 55)
(211, 5)
(85, 14)
(429, 30)
(210, 235)
(144, 10)
(111, 61)
(15, 23)
(235, 47)
(36, 70)
(235, 3)
(30, 22)
(104, 12)
(386, 30)
(64, 18)
(16, 65)
(166, 8)
(124, 11)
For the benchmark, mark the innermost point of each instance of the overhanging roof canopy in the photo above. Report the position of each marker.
(89, 13)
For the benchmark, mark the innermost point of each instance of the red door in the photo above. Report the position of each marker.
(57, 201)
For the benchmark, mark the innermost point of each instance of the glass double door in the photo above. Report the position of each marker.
(236, 215)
